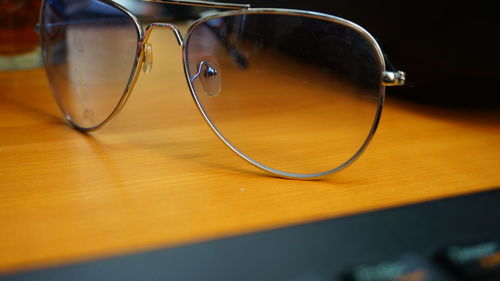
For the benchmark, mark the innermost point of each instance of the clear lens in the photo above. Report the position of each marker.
(89, 51)
(295, 93)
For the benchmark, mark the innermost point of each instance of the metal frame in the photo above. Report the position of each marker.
(217, 5)
(387, 78)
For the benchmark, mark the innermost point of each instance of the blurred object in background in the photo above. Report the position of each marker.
(19, 43)
(449, 50)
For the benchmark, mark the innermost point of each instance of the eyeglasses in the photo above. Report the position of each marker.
(296, 93)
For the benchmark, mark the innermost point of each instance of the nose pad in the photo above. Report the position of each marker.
(210, 76)
(148, 58)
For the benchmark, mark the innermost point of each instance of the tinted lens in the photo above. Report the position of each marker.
(89, 51)
(295, 93)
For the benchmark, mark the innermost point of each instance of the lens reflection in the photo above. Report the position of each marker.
(294, 93)
(89, 52)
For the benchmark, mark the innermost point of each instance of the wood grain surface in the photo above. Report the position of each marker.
(157, 176)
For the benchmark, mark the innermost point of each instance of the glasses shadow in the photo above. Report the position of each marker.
(99, 148)
(31, 109)
(210, 159)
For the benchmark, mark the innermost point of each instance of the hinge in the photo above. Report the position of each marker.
(391, 78)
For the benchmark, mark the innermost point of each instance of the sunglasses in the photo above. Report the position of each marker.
(296, 93)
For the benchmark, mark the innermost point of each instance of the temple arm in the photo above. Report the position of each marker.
(393, 77)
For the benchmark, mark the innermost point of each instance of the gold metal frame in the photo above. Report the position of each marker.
(387, 78)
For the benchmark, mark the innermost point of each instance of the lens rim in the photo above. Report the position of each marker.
(134, 74)
(291, 12)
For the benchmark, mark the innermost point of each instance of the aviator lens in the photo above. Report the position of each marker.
(90, 49)
(298, 94)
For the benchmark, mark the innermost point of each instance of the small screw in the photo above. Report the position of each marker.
(210, 72)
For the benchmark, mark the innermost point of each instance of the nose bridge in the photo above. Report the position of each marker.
(169, 26)
(148, 48)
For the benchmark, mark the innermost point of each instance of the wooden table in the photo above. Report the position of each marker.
(157, 176)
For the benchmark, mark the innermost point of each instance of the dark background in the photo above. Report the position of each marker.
(449, 50)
